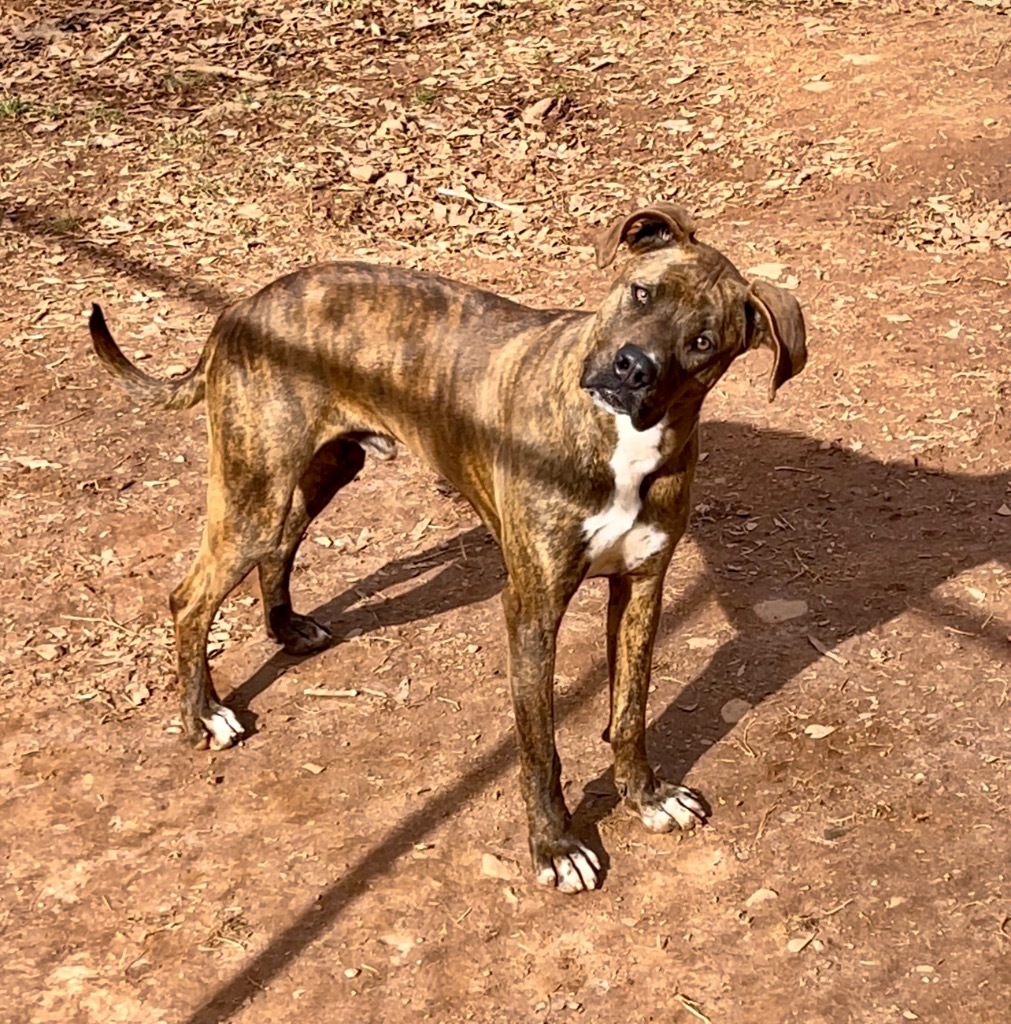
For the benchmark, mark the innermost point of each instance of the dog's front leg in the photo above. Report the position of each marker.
(632, 617)
(532, 621)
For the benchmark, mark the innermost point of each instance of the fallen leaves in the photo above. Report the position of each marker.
(819, 732)
(35, 462)
(953, 222)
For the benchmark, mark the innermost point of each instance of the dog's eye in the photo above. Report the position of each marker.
(640, 294)
(703, 343)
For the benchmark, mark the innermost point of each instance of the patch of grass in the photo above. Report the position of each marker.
(186, 138)
(185, 82)
(62, 223)
(13, 106)
(106, 115)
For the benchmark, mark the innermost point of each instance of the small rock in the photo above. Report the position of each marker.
(799, 943)
(351, 972)
(761, 896)
(312, 768)
(779, 610)
(734, 710)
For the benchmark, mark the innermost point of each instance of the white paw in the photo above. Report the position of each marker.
(223, 726)
(573, 871)
(680, 807)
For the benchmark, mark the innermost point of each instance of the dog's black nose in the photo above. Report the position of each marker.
(634, 368)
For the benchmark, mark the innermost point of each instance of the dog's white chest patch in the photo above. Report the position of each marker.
(617, 541)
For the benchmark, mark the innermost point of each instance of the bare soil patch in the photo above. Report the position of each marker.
(163, 159)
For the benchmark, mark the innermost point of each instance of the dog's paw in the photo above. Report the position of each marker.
(671, 807)
(222, 726)
(569, 866)
(302, 635)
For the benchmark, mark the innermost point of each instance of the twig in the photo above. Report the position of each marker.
(110, 51)
(822, 649)
(1000, 53)
(692, 1007)
(765, 818)
(462, 193)
(104, 620)
(835, 910)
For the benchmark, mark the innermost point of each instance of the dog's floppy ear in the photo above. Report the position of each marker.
(652, 227)
(775, 321)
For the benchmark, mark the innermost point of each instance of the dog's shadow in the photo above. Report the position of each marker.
(777, 516)
(469, 568)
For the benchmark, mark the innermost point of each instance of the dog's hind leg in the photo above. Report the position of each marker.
(245, 519)
(333, 466)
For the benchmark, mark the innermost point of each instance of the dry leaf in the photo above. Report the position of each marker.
(819, 732)
(33, 462)
(420, 527)
(498, 867)
(701, 643)
(770, 271)
(822, 649)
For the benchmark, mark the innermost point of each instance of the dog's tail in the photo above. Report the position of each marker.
(182, 393)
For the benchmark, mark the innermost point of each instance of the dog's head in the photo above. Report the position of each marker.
(677, 316)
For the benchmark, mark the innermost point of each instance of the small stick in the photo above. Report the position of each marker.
(104, 620)
(692, 1007)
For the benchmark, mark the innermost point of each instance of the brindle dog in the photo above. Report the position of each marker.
(573, 434)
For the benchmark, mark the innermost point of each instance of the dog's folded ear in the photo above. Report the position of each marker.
(653, 227)
(775, 321)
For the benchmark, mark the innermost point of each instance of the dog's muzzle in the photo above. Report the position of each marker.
(622, 386)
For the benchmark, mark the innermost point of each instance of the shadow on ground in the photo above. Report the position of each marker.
(862, 541)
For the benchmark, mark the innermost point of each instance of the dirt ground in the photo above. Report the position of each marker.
(363, 857)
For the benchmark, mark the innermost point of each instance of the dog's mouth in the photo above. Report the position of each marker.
(622, 402)
(610, 400)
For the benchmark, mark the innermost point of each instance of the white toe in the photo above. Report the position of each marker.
(681, 808)
(684, 809)
(577, 870)
(568, 877)
(223, 726)
(546, 876)
(581, 860)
